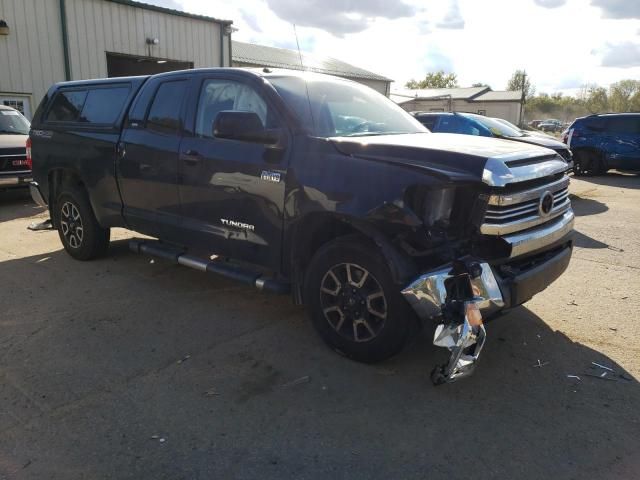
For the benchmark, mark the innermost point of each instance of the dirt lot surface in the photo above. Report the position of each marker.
(130, 369)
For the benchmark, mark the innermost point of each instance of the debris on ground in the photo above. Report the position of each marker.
(613, 329)
(602, 372)
(572, 302)
(184, 359)
(211, 393)
(295, 382)
(540, 364)
(574, 376)
(159, 438)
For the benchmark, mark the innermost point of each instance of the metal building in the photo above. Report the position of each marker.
(481, 100)
(251, 55)
(47, 41)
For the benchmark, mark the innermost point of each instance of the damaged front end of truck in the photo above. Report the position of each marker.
(499, 244)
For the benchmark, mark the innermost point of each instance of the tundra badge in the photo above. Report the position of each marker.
(233, 223)
(270, 176)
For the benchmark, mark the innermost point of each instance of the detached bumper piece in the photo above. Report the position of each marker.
(458, 294)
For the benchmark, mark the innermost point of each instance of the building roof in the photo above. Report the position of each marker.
(500, 96)
(468, 93)
(170, 11)
(260, 55)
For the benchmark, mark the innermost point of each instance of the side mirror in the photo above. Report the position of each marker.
(244, 127)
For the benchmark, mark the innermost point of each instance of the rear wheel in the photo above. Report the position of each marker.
(588, 163)
(81, 235)
(354, 304)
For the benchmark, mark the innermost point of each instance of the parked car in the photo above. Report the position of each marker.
(532, 132)
(550, 125)
(15, 170)
(472, 124)
(535, 123)
(605, 141)
(375, 224)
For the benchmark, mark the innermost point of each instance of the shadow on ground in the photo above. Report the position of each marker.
(583, 206)
(123, 368)
(615, 178)
(17, 204)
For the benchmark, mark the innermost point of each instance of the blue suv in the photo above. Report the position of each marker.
(473, 124)
(601, 142)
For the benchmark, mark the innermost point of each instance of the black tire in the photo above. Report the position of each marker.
(363, 335)
(81, 235)
(588, 163)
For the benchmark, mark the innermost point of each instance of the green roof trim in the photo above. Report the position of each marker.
(170, 11)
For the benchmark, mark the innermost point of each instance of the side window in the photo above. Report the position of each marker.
(164, 114)
(66, 106)
(428, 121)
(219, 95)
(104, 105)
(447, 124)
(626, 124)
(595, 124)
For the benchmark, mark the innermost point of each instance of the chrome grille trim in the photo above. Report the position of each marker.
(498, 174)
(513, 212)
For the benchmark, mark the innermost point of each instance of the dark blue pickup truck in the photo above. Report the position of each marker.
(308, 184)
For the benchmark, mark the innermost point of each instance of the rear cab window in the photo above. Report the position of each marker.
(92, 105)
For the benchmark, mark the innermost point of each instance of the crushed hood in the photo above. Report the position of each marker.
(453, 156)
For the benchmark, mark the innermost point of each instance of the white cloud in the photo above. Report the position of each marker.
(618, 8)
(550, 3)
(557, 47)
(453, 19)
(623, 55)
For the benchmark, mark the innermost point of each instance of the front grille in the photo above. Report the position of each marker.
(12, 160)
(565, 153)
(519, 210)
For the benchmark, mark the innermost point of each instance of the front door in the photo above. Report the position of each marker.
(232, 192)
(148, 162)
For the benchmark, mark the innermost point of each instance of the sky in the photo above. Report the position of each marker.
(562, 44)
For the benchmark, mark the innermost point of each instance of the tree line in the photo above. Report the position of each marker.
(622, 96)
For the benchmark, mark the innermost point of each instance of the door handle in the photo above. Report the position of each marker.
(191, 157)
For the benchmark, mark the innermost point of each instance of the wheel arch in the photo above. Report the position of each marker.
(316, 230)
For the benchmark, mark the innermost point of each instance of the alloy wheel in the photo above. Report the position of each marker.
(353, 302)
(71, 225)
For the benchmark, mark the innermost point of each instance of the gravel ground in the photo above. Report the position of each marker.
(126, 368)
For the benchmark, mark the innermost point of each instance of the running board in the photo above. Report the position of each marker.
(234, 272)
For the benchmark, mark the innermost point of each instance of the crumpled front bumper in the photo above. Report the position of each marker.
(492, 292)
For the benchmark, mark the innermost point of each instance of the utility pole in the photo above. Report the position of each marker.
(522, 98)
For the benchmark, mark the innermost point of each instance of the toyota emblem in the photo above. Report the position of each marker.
(546, 204)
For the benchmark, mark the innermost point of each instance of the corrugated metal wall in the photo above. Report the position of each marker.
(97, 26)
(31, 56)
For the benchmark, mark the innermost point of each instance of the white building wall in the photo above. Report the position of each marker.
(31, 56)
(98, 26)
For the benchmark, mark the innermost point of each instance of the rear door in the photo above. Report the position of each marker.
(623, 141)
(148, 158)
(231, 191)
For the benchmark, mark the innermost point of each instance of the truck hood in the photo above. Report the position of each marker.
(541, 141)
(452, 156)
(13, 141)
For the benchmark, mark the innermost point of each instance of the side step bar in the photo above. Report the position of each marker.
(176, 255)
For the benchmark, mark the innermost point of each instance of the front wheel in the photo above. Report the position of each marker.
(81, 235)
(588, 163)
(354, 304)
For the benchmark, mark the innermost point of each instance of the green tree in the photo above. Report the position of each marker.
(438, 79)
(621, 94)
(520, 81)
(597, 100)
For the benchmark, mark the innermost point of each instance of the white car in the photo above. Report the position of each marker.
(15, 167)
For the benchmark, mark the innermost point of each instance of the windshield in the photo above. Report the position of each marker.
(13, 123)
(338, 108)
(496, 127)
